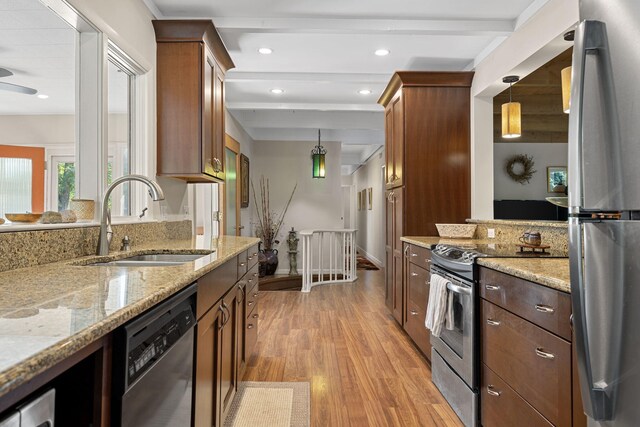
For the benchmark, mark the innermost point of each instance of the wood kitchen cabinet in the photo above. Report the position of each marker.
(416, 291)
(528, 371)
(191, 64)
(225, 302)
(428, 181)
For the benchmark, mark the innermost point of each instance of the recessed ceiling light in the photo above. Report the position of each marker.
(265, 51)
(382, 52)
(364, 92)
(43, 96)
(277, 91)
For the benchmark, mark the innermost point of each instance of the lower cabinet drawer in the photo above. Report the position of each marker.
(501, 406)
(414, 326)
(251, 333)
(418, 286)
(252, 299)
(534, 362)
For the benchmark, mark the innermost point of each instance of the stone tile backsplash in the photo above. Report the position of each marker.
(30, 248)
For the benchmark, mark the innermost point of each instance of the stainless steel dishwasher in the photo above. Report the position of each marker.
(153, 365)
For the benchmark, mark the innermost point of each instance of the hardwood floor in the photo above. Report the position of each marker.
(363, 369)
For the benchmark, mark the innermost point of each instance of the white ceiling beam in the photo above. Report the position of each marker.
(464, 27)
(248, 76)
(306, 119)
(302, 106)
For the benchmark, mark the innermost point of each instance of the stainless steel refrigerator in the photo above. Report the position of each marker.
(604, 200)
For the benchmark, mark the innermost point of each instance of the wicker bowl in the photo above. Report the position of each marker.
(23, 217)
(84, 209)
(457, 231)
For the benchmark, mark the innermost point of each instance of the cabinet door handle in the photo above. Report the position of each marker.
(492, 391)
(492, 287)
(414, 313)
(545, 355)
(544, 308)
(224, 321)
(406, 251)
(255, 316)
(493, 322)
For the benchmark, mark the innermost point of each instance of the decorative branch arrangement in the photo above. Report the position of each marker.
(269, 222)
(527, 168)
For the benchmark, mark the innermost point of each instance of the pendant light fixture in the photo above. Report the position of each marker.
(317, 156)
(511, 113)
(565, 75)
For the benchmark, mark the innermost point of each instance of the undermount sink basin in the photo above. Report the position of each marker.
(151, 260)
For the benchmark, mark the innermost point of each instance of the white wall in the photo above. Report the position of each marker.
(317, 202)
(532, 45)
(544, 155)
(237, 132)
(371, 223)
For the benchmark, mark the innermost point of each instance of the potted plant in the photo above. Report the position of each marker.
(267, 227)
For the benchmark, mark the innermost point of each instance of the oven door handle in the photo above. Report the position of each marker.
(458, 289)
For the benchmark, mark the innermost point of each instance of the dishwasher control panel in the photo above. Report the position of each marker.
(143, 355)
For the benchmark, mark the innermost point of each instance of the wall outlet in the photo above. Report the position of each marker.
(491, 233)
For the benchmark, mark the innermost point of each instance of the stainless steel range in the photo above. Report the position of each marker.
(455, 355)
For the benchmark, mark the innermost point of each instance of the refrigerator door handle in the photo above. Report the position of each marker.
(597, 404)
(591, 39)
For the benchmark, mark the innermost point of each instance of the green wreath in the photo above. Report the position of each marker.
(527, 168)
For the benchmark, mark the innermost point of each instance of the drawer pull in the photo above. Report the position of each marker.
(492, 287)
(250, 303)
(414, 255)
(493, 322)
(540, 352)
(254, 254)
(250, 326)
(413, 274)
(427, 260)
(414, 313)
(255, 274)
(544, 308)
(255, 316)
(250, 280)
(255, 295)
(242, 264)
(492, 391)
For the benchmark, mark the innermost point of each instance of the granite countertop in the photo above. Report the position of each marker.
(49, 312)
(550, 272)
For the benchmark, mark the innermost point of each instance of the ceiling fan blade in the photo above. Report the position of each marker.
(5, 73)
(17, 88)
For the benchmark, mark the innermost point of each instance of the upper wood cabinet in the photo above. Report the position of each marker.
(428, 151)
(191, 64)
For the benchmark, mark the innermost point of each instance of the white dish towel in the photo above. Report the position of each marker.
(440, 306)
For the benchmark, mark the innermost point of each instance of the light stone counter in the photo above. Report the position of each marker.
(49, 312)
(550, 272)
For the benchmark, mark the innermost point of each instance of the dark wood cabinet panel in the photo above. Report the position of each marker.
(398, 118)
(440, 125)
(388, 149)
(395, 256)
(191, 63)
(207, 372)
(543, 306)
(227, 353)
(388, 277)
(212, 286)
(501, 406)
(534, 362)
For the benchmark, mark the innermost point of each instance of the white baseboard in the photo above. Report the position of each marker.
(371, 258)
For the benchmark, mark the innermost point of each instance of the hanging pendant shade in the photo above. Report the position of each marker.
(511, 114)
(317, 159)
(565, 74)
